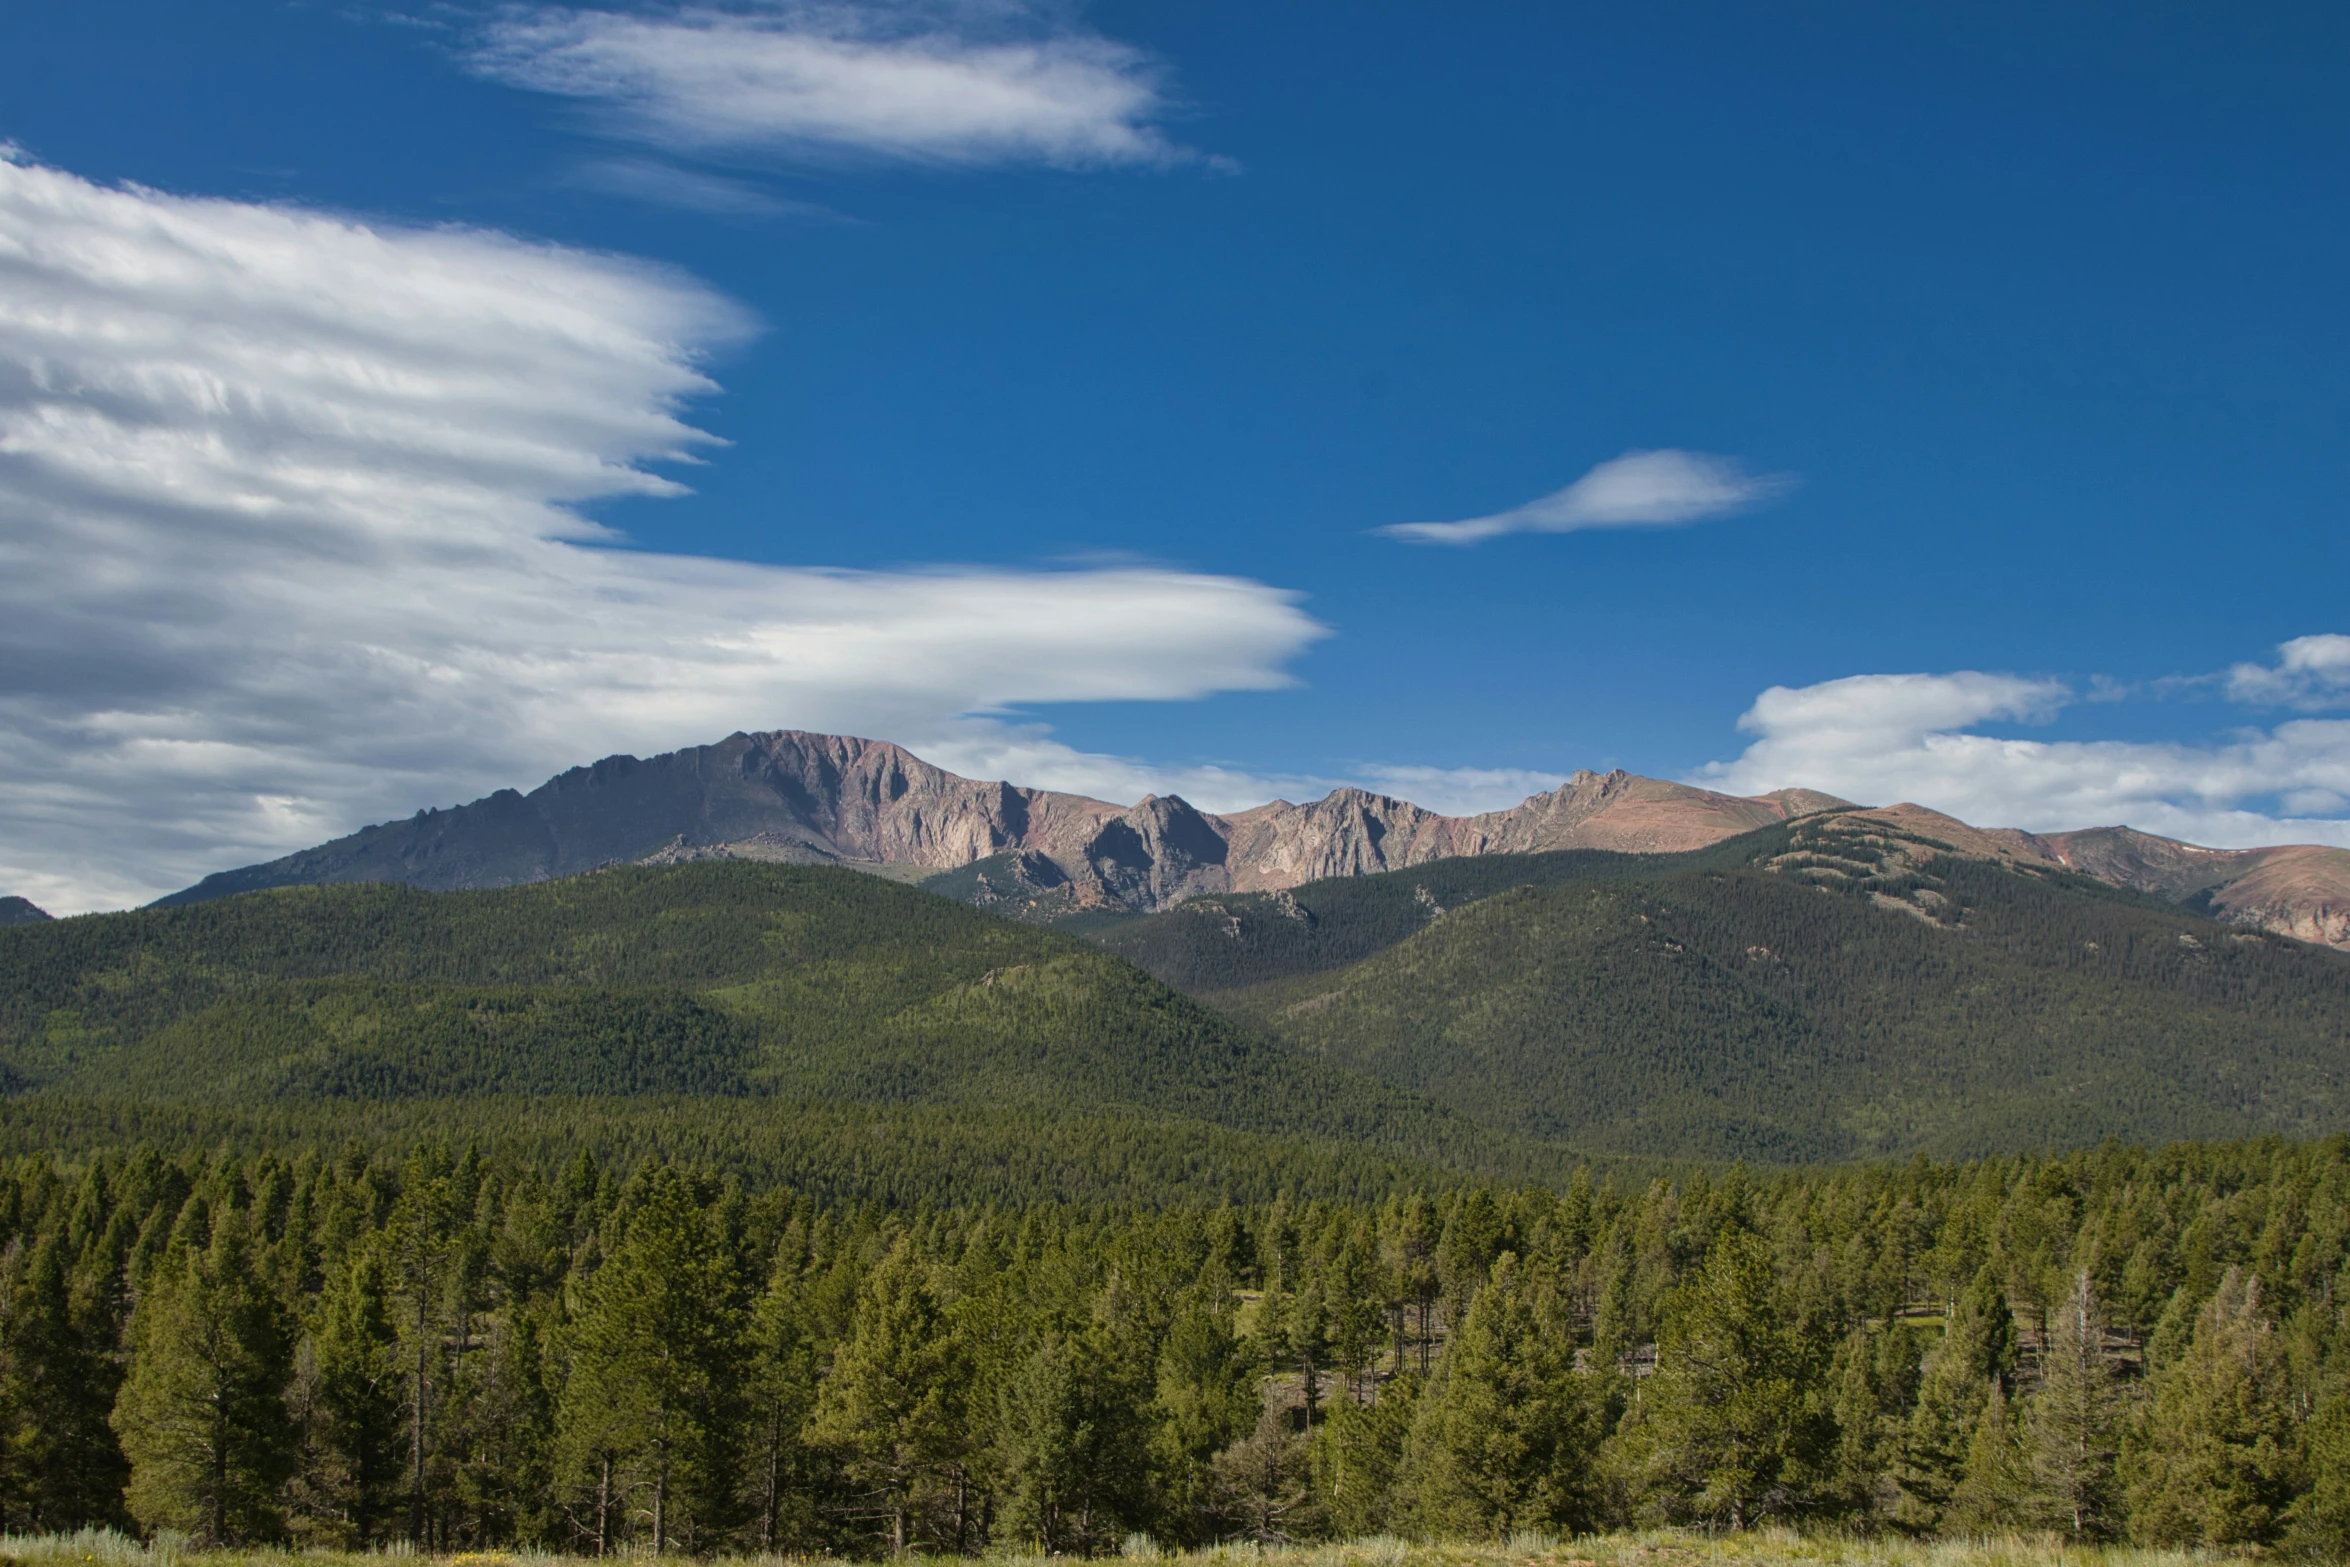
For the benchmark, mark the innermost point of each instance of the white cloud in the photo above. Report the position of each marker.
(2311, 673)
(662, 184)
(1026, 754)
(285, 545)
(891, 82)
(1659, 489)
(1882, 738)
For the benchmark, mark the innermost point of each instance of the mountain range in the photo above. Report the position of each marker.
(797, 798)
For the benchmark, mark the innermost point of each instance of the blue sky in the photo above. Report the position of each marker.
(2011, 339)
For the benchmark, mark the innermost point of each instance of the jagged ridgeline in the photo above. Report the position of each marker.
(887, 1037)
(1806, 992)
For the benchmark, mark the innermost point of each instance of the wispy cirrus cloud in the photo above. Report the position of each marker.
(898, 82)
(1645, 489)
(288, 544)
(662, 184)
(1881, 738)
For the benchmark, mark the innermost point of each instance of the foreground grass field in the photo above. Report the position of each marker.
(1752, 1548)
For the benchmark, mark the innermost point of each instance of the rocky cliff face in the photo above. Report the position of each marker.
(808, 798)
(801, 798)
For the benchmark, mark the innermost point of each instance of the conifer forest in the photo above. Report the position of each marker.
(450, 1351)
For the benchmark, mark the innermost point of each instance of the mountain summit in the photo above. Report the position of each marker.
(803, 798)
(797, 798)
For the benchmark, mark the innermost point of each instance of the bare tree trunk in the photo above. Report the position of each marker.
(416, 1434)
(604, 1506)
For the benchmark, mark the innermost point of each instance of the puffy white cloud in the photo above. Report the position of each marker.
(894, 82)
(1659, 489)
(286, 545)
(2311, 673)
(1882, 738)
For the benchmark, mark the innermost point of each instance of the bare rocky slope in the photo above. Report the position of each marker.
(794, 797)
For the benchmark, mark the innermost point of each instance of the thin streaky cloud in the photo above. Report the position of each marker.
(832, 80)
(659, 184)
(1641, 489)
(290, 545)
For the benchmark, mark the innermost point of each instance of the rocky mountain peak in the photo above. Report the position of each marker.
(797, 797)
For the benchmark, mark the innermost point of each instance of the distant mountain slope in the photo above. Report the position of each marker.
(709, 982)
(797, 798)
(793, 798)
(18, 911)
(1835, 988)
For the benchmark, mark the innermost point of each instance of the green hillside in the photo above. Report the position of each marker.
(1794, 999)
(743, 989)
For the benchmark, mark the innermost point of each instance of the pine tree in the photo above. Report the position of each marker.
(2215, 1464)
(422, 1242)
(1357, 1455)
(60, 1465)
(2073, 1421)
(654, 1368)
(1206, 1399)
(202, 1415)
(504, 1431)
(1994, 1487)
(350, 1391)
(1072, 1449)
(1730, 1427)
(1977, 1352)
(1874, 1380)
(1506, 1431)
(893, 1407)
(779, 1392)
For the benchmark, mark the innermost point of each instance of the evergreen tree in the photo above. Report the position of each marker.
(779, 1392)
(1730, 1427)
(1994, 1487)
(1206, 1399)
(422, 1242)
(2319, 1521)
(1072, 1449)
(1506, 1431)
(202, 1415)
(654, 1368)
(349, 1408)
(1357, 1455)
(1976, 1352)
(2215, 1464)
(2072, 1424)
(60, 1465)
(893, 1408)
(505, 1433)
(1874, 1378)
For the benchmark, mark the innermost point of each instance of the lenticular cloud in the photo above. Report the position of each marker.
(286, 544)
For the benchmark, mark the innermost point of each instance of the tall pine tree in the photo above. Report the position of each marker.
(2073, 1423)
(654, 1371)
(2215, 1464)
(202, 1416)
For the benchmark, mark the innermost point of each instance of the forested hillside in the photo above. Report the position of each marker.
(472, 1353)
(707, 1002)
(1804, 993)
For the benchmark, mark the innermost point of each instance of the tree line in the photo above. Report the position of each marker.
(463, 1350)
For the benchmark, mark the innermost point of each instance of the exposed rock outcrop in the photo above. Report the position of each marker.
(799, 798)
